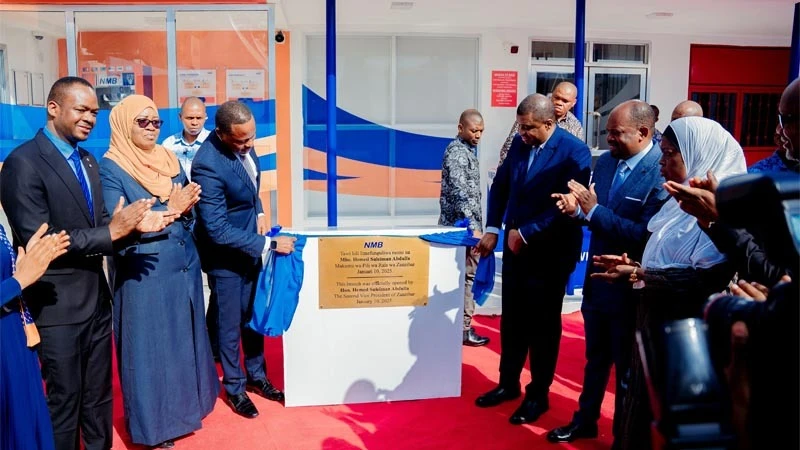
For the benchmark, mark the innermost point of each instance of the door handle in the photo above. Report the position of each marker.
(596, 128)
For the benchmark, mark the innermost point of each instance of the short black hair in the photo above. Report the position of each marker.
(232, 113)
(537, 104)
(655, 109)
(642, 115)
(469, 114)
(62, 85)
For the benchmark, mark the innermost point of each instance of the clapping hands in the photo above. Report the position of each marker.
(183, 198)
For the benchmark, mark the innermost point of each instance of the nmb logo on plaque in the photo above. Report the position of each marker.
(373, 271)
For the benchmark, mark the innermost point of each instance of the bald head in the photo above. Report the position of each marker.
(193, 116)
(564, 97)
(470, 126)
(630, 128)
(687, 108)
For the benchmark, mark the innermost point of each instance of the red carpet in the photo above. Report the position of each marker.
(424, 424)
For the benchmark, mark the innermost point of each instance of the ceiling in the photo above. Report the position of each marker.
(690, 17)
(695, 17)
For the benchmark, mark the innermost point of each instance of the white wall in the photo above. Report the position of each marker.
(27, 53)
(668, 76)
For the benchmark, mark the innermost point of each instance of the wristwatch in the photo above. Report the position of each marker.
(273, 245)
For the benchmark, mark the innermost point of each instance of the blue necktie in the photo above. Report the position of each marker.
(75, 159)
(532, 157)
(622, 173)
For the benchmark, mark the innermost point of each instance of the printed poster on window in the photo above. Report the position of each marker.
(373, 272)
(504, 88)
(246, 84)
(200, 83)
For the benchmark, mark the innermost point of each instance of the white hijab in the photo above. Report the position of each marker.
(677, 240)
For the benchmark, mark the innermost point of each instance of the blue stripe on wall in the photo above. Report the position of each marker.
(312, 175)
(365, 141)
(20, 123)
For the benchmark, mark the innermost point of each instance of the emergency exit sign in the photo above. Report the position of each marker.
(504, 88)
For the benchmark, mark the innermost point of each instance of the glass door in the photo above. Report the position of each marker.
(608, 87)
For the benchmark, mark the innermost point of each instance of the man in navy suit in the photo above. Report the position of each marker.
(541, 249)
(231, 238)
(626, 191)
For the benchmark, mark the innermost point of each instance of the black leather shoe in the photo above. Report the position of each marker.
(496, 396)
(265, 389)
(242, 405)
(528, 412)
(473, 339)
(572, 431)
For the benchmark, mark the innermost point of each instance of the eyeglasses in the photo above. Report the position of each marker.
(785, 119)
(143, 123)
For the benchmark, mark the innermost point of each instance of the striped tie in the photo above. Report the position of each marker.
(75, 159)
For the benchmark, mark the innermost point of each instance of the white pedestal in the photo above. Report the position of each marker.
(360, 355)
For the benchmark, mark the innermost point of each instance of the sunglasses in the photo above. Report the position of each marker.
(143, 123)
(785, 119)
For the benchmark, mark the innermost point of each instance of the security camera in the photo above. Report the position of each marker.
(279, 37)
(38, 37)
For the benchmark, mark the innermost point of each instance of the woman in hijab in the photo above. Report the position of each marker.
(169, 382)
(680, 266)
(24, 418)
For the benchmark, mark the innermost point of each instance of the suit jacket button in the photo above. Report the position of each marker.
(181, 243)
(185, 269)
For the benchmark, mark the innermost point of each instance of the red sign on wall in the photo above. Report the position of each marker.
(504, 88)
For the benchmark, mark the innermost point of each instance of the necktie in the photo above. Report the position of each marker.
(532, 157)
(75, 159)
(619, 178)
(248, 167)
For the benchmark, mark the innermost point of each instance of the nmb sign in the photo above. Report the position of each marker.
(108, 80)
(373, 244)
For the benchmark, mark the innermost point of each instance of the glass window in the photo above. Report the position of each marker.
(430, 68)
(123, 54)
(33, 57)
(363, 66)
(552, 51)
(619, 53)
(389, 159)
(222, 56)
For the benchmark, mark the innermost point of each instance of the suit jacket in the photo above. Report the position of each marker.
(227, 213)
(619, 224)
(37, 185)
(522, 196)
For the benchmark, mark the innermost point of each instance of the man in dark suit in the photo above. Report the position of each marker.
(541, 249)
(51, 179)
(231, 237)
(626, 191)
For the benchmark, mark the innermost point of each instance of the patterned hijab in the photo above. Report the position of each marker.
(677, 240)
(153, 169)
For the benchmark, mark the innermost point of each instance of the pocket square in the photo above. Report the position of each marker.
(634, 199)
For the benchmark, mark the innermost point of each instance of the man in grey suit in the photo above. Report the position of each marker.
(626, 191)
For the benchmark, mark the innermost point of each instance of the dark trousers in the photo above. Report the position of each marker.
(531, 324)
(212, 316)
(76, 367)
(609, 340)
(234, 296)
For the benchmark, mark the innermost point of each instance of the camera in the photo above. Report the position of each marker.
(685, 360)
(279, 37)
